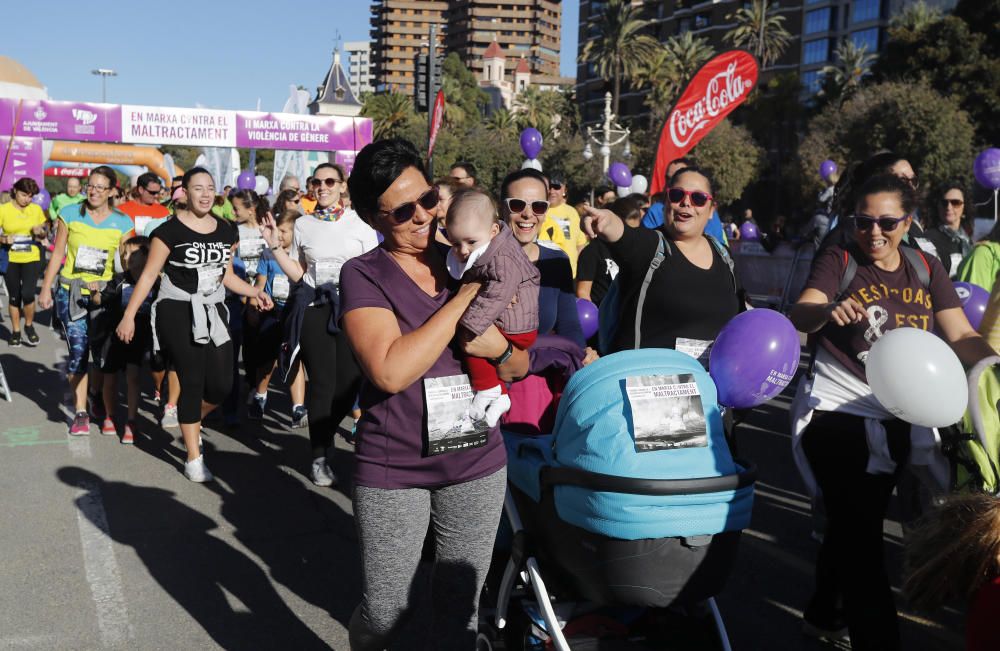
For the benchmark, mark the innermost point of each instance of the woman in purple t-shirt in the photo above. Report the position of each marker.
(416, 462)
(853, 447)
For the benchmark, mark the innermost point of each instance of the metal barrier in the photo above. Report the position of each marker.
(773, 279)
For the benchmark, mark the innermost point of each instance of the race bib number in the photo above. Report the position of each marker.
(667, 413)
(279, 288)
(209, 279)
(449, 427)
(697, 348)
(90, 260)
(327, 271)
(564, 225)
(251, 248)
(21, 244)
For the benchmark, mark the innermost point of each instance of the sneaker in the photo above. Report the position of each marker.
(256, 409)
(321, 474)
(197, 471)
(15, 339)
(169, 417)
(108, 428)
(156, 397)
(81, 424)
(128, 436)
(300, 416)
(31, 337)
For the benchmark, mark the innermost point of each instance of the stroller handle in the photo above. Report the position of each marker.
(552, 476)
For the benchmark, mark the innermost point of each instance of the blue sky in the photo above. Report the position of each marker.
(219, 54)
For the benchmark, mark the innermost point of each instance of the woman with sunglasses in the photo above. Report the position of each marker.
(401, 311)
(321, 243)
(88, 234)
(949, 228)
(847, 446)
(693, 293)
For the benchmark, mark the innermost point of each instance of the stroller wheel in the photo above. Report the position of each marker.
(489, 638)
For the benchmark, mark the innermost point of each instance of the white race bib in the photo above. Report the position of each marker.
(251, 248)
(564, 225)
(666, 412)
(449, 428)
(697, 348)
(327, 271)
(209, 279)
(956, 260)
(279, 288)
(22, 243)
(90, 260)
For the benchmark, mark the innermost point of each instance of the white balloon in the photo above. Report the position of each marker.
(531, 163)
(624, 191)
(918, 378)
(261, 185)
(639, 184)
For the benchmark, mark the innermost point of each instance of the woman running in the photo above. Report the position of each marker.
(22, 224)
(195, 253)
(88, 234)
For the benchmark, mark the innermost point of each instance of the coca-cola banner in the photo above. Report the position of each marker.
(437, 117)
(718, 87)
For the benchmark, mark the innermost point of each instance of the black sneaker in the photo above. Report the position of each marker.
(30, 335)
(255, 410)
(15, 339)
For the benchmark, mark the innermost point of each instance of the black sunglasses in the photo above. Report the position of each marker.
(328, 182)
(428, 201)
(886, 224)
(555, 186)
(517, 206)
(698, 198)
(955, 203)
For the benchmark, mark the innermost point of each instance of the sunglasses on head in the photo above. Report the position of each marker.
(954, 203)
(327, 181)
(428, 201)
(698, 198)
(885, 224)
(517, 206)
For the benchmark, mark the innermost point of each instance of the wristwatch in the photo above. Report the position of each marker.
(497, 361)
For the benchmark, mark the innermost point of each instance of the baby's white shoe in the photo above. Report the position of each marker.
(482, 400)
(497, 408)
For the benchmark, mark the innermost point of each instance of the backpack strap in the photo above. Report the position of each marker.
(919, 263)
(654, 264)
(850, 267)
(726, 256)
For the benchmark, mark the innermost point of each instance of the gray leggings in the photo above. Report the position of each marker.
(392, 524)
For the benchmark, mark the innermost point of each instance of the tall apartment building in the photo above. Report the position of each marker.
(359, 66)
(400, 28)
(703, 18)
(527, 29)
(399, 31)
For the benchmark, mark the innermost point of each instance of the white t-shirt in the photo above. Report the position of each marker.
(324, 246)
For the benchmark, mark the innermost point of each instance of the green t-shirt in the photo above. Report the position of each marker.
(981, 266)
(225, 211)
(62, 200)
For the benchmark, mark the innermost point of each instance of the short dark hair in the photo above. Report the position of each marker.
(892, 184)
(331, 166)
(287, 217)
(626, 208)
(602, 190)
(526, 173)
(137, 240)
(27, 185)
(376, 167)
(147, 178)
(938, 195)
(468, 167)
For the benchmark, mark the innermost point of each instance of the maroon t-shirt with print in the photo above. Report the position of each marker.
(392, 433)
(893, 299)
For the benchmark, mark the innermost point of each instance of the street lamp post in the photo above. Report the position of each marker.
(610, 134)
(104, 73)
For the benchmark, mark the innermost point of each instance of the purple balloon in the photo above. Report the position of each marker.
(620, 175)
(43, 199)
(749, 232)
(587, 312)
(974, 299)
(754, 358)
(531, 142)
(246, 180)
(826, 169)
(987, 168)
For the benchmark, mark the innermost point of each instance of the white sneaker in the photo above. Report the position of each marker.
(197, 471)
(321, 474)
(482, 400)
(169, 416)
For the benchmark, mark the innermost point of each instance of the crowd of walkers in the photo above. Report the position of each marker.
(366, 292)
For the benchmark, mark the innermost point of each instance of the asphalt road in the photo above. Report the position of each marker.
(109, 547)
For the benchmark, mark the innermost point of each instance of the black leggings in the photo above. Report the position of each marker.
(334, 377)
(204, 370)
(21, 280)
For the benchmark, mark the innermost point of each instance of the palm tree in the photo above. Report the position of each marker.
(842, 79)
(916, 17)
(389, 113)
(760, 30)
(502, 124)
(620, 47)
(673, 66)
(539, 109)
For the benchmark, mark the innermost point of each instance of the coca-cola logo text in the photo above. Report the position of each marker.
(722, 90)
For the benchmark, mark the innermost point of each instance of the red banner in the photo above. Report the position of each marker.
(76, 172)
(437, 117)
(718, 87)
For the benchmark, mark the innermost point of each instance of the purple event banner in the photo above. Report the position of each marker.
(187, 126)
(19, 158)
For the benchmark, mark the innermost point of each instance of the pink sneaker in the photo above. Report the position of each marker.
(128, 436)
(81, 424)
(108, 428)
